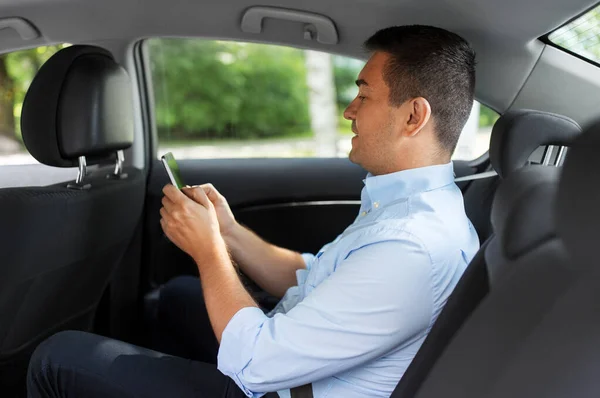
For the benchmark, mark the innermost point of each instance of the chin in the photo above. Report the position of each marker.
(353, 157)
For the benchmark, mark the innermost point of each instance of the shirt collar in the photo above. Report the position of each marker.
(386, 188)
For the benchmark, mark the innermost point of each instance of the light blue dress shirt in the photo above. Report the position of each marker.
(365, 302)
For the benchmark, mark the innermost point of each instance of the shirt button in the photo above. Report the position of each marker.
(364, 213)
(376, 205)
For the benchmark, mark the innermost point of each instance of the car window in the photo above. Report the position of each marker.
(218, 99)
(17, 70)
(580, 36)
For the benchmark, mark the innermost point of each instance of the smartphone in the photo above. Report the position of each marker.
(168, 160)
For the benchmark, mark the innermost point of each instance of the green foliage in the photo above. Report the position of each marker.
(210, 89)
(487, 116)
(21, 67)
(582, 36)
(213, 89)
(345, 72)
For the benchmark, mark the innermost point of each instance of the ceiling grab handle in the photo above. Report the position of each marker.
(25, 29)
(315, 24)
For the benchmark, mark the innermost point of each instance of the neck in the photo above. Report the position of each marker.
(412, 162)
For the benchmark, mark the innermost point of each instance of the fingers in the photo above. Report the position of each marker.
(174, 194)
(197, 195)
(168, 204)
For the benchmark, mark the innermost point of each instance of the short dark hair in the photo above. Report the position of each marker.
(432, 63)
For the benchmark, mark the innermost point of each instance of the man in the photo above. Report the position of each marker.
(352, 316)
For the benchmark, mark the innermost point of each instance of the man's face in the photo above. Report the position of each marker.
(372, 116)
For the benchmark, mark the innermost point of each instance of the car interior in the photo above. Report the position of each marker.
(82, 247)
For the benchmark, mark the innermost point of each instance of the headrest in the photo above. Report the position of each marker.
(578, 217)
(518, 133)
(79, 104)
(523, 209)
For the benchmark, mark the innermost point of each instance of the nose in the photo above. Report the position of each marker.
(350, 112)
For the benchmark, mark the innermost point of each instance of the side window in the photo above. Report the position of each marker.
(475, 138)
(17, 70)
(216, 99)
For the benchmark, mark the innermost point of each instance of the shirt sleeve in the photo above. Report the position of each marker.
(379, 298)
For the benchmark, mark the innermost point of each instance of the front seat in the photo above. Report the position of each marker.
(61, 243)
(537, 333)
(516, 135)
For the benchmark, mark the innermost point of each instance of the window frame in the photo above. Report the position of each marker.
(142, 62)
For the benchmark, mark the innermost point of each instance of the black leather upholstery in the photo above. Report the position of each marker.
(520, 132)
(579, 198)
(515, 136)
(80, 103)
(520, 227)
(60, 246)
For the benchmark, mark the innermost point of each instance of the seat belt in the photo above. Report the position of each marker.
(478, 176)
(304, 391)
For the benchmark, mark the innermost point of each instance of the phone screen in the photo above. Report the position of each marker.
(168, 160)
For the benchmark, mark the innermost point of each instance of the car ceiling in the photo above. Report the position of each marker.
(503, 33)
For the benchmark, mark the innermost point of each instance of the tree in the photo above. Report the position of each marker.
(17, 70)
(214, 89)
(322, 102)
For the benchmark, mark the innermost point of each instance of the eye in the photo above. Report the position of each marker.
(361, 98)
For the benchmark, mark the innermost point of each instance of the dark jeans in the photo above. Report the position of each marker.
(78, 364)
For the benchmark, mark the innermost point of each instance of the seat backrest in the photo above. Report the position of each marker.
(61, 243)
(537, 333)
(474, 284)
(515, 136)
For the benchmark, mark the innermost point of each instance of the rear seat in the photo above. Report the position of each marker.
(516, 135)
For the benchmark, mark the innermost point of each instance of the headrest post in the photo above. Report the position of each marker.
(548, 155)
(82, 170)
(119, 164)
(118, 173)
(80, 175)
(561, 156)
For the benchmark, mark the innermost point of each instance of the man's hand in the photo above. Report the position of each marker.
(227, 222)
(272, 268)
(189, 220)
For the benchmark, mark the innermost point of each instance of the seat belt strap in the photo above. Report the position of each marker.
(479, 176)
(304, 391)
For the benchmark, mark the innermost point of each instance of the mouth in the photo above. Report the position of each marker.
(354, 129)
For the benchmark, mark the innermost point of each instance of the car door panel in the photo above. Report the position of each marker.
(300, 204)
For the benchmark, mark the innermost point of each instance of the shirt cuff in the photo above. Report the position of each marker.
(237, 345)
(308, 260)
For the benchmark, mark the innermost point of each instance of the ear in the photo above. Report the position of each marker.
(419, 113)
